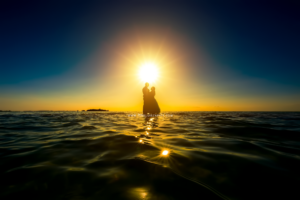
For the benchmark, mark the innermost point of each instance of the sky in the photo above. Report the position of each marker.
(211, 55)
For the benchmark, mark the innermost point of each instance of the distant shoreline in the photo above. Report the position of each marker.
(96, 110)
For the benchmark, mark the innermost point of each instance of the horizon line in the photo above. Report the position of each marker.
(142, 111)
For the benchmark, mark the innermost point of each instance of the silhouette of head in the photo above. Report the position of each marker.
(146, 84)
(153, 89)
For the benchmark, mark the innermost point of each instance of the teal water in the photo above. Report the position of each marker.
(118, 155)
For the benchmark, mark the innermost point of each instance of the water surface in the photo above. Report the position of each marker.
(118, 155)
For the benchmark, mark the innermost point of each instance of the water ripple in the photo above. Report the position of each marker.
(123, 155)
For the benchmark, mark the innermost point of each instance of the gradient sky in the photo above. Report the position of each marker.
(212, 56)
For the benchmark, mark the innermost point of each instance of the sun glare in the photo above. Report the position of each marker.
(148, 72)
(165, 152)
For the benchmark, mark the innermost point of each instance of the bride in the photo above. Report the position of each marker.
(153, 105)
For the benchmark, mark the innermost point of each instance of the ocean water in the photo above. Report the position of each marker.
(118, 155)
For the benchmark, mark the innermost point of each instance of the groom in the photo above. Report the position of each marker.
(145, 96)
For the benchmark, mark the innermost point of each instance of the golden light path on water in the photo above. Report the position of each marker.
(146, 138)
(166, 156)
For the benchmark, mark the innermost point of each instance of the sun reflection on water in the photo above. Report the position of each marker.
(139, 193)
(162, 155)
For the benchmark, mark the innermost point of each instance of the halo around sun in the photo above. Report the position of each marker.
(148, 72)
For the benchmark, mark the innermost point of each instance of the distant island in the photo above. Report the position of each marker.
(5, 111)
(96, 110)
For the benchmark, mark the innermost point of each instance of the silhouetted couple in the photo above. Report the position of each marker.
(150, 103)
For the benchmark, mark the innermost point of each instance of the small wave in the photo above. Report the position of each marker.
(87, 128)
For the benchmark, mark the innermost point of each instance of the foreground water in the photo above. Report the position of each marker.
(101, 155)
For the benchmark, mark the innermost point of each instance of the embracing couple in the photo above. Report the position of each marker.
(150, 103)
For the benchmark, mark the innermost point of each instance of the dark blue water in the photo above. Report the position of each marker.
(104, 155)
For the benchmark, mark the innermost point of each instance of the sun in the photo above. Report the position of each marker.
(165, 153)
(148, 72)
